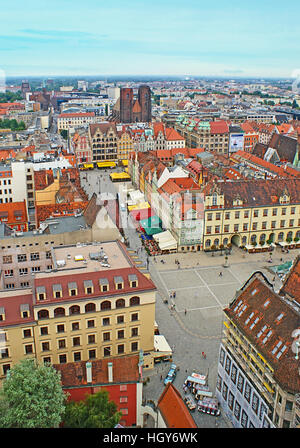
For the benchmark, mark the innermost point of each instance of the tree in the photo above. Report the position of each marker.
(95, 412)
(64, 134)
(32, 397)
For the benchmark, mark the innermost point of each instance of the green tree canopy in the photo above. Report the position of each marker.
(95, 412)
(64, 134)
(32, 397)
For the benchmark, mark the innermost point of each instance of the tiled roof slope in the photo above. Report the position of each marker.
(291, 284)
(267, 321)
(286, 147)
(260, 192)
(173, 409)
(125, 369)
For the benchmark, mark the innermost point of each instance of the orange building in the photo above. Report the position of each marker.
(14, 215)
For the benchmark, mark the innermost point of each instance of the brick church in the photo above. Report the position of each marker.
(131, 110)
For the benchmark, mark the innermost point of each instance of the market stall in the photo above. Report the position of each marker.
(166, 241)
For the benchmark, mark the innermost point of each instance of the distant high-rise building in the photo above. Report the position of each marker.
(25, 87)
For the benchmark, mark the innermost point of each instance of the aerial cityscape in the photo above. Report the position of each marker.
(149, 216)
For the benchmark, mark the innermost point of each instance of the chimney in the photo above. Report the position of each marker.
(110, 372)
(88, 366)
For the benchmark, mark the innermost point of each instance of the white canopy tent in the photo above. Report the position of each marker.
(165, 240)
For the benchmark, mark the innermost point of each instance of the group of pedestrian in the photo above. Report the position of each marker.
(173, 295)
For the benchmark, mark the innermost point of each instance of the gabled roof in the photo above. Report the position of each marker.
(173, 409)
(219, 127)
(173, 135)
(286, 147)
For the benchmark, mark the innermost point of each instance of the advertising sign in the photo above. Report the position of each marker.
(236, 142)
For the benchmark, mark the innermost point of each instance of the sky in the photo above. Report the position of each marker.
(257, 38)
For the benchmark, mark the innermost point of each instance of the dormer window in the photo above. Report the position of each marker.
(24, 309)
(104, 284)
(40, 293)
(88, 286)
(133, 281)
(57, 291)
(119, 282)
(72, 287)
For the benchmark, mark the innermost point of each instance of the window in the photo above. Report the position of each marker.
(35, 269)
(254, 226)
(134, 317)
(246, 214)
(77, 356)
(75, 326)
(237, 410)
(224, 391)
(59, 312)
(265, 212)
(120, 303)
(44, 330)
(7, 259)
(236, 227)
(134, 346)
(45, 346)
(105, 321)
(237, 215)
(209, 217)
(91, 339)
(120, 319)
(62, 359)
(227, 364)
(208, 230)
(90, 323)
(75, 309)
(6, 368)
(106, 305)
(8, 273)
(120, 334)
(226, 228)
(227, 215)
(27, 333)
(34, 256)
(106, 336)
(60, 328)
(255, 213)
(274, 212)
(233, 373)
(230, 400)
(28, 349)
(76, 341)
(90, 308)
(247, 392)
(92, 354)
(240, 383)
(134, 301)
(283, 211)
(22, 257)
(61, 343)
(106, 351)
(134, 331)
(121, 349)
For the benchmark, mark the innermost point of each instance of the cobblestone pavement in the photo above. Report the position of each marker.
(195, 326)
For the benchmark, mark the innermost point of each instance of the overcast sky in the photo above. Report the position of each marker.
(155, 37)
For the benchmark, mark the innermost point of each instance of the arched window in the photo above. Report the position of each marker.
(225, 241)
(90, 307)
(253, 238)
(262, 237)
(207, 243)
(120, 303)
(214, 199)
(43, 314)
(289, 236)
(244, 240)
(280, 236)
(134, 301)
(216, 242)
(75, 309)
(298, 234)
(59, 312)
(106, 305)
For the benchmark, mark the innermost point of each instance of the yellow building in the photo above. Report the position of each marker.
(125, 145)
(252, 213)
(94, 304)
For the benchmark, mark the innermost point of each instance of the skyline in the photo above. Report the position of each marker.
(165, 38)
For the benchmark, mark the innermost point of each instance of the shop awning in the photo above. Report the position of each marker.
(143, 213)
(165, 240)
(139, 206)
(161, 344)
(151, 225)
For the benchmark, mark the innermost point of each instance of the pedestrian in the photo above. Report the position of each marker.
(174, 294)
(185, 312)
(220, 274)
(160, 377)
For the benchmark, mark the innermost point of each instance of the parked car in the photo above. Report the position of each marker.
(171, 375)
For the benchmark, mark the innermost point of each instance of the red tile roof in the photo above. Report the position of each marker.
(144, 284)
(218, 127)
(267, 320)
(11, 303)
(171, 134)
(125, 369)
(291, 284)
(14, 213)
(173, 409)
